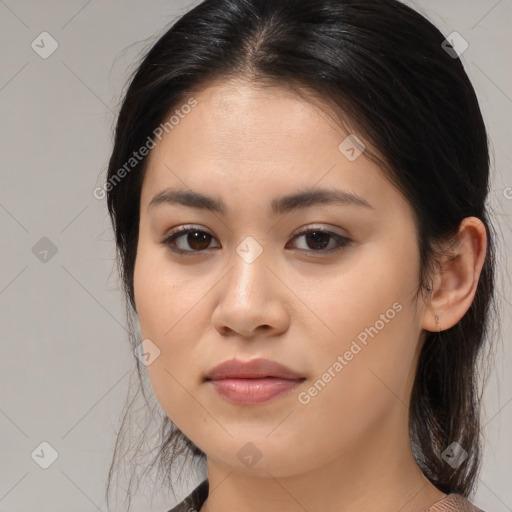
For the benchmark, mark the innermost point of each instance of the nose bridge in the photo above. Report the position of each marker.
(249, 297)
(249, 269)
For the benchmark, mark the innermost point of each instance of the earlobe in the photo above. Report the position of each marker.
(456, 284)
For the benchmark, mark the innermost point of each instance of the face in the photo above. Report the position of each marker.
(336, 306)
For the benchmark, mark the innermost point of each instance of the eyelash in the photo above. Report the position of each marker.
(169, 241)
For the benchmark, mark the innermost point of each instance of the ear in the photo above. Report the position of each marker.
(455, 286)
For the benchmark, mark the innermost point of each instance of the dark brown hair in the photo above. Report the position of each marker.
(380, 67)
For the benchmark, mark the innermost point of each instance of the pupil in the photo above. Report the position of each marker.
(316, 237)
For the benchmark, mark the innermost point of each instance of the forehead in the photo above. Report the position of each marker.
(241, 121)
(240, 137)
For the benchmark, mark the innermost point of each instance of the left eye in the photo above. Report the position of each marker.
(198, 240)
(317, 238)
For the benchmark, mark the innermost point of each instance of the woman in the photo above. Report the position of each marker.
(298, 191)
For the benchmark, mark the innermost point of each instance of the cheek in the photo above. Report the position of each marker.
(362, 379)
(165, 310)
(154, 291)
(373, 326)
(365, 292)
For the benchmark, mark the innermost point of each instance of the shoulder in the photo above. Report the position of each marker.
(194, 501)
(454, 503)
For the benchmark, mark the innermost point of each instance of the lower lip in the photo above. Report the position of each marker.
(253, 391)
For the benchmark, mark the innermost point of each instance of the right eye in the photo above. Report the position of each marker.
(196, 239)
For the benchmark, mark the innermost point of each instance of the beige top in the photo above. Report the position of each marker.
(453, 502)
(449, 503)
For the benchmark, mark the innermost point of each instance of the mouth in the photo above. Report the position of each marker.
(253, 369)
(253, 391)
(252, 382)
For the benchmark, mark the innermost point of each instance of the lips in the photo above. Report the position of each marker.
(254, 369)
(252, 382)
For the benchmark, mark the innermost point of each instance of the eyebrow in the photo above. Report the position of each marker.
(284, 204)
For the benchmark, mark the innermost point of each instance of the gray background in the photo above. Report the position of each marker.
(65, 357)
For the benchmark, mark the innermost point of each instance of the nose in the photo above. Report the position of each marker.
(252, 301)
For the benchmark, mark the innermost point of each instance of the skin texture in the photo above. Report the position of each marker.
(347, 448)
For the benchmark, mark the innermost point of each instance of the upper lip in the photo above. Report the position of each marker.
(252, 369)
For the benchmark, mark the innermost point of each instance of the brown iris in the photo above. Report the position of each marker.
(315, 237)
(200, 238)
